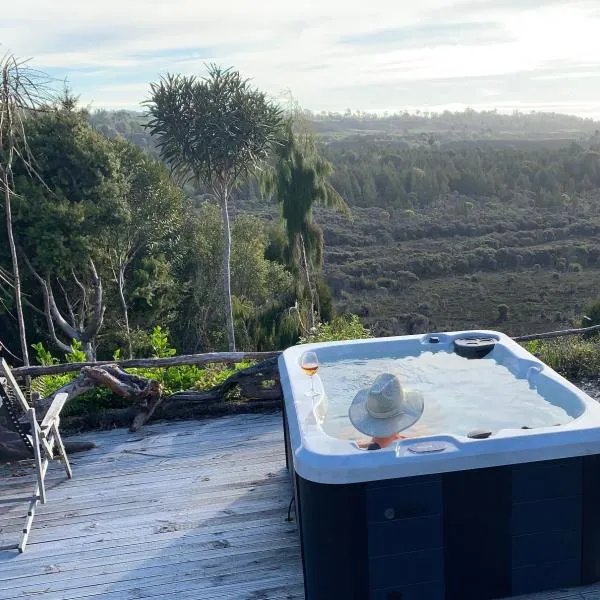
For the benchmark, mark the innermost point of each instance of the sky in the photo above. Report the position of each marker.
(373, 55)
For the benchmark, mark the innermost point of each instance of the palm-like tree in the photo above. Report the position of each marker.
(298, 179)
(214, 131)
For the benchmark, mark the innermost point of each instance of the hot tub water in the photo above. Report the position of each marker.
(460, 395)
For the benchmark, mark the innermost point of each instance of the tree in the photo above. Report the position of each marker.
(22, 90)
(258, 284)
(214, 131)
(150, 215)
(299, 179)
(85, 318)
(60, 221)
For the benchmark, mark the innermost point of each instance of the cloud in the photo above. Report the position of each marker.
(432, 34)
(331, 54)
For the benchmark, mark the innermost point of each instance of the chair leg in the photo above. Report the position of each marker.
(37, 454)
(61, 450)
(28, 523)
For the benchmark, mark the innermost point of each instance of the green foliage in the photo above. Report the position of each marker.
(260, 287)
(574, 357)
(44, 357)
(76, 354)
(533, 346)
(345, 327)
(57, 222)
(172, 379)
(212, 129)
(448, 224)
(298, 180)
(48, 384)
(160, 343)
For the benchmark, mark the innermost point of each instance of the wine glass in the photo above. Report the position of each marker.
(309, 363)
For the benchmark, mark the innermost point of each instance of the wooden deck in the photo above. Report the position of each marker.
(190, 511)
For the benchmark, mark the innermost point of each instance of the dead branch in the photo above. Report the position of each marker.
(258, 382)
(95, 323)
(138, 390)
(172, 361)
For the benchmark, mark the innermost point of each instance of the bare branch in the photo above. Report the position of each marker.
(47, 306)
(57, 316)
(95, 323)
(68, 303)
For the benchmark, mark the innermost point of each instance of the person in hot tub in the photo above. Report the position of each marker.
(384, 410)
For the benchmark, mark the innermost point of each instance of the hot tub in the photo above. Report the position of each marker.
(442, 515)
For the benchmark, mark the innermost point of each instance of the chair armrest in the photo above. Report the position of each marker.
(54, 410)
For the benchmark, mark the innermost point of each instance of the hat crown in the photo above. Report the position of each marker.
(385, 397)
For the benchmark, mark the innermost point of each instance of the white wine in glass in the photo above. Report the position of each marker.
(309, 363)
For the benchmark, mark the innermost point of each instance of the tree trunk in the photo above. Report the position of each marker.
(227, 270)
(90, 351)
(15, 265)
(121, 285)
(311, 316)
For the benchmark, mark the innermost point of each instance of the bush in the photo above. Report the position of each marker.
(172, 379)
(48, 384)
(416, 323)
(592, 314)
(346, 327)
(502, 312)
(573, 357)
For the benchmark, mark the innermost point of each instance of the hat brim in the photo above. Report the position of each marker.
(365, 423)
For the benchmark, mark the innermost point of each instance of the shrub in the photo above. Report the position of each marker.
(346, 327)
(555, 275)
(502, 312)
(424, 308)
(416, 323)
(572, 357)
(48, 384)
(172, 379)
(592, 314)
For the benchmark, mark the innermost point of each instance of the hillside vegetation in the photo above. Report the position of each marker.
(459, 220)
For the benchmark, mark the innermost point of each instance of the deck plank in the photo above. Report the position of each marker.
(181, 511)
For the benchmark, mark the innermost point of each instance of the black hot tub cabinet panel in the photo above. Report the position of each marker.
(468, 535)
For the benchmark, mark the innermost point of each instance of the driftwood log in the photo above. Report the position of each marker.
(149, 363)
(257, 386)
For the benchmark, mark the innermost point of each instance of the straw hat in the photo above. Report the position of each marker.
(385, 408)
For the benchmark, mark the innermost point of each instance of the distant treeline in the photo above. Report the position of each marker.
(408, 128)
(466, 123)
(381, 174)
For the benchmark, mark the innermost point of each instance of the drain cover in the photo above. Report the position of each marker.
(427, 447)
